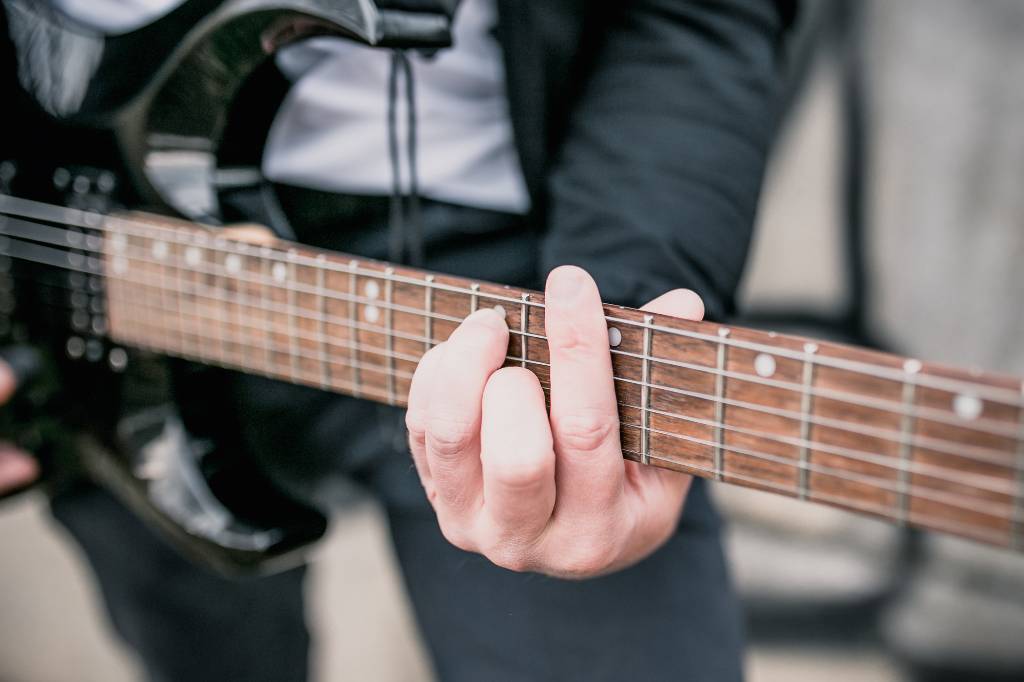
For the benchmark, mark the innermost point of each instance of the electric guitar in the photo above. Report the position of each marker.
(916, 443)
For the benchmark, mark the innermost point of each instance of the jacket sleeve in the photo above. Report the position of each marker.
(655, 185)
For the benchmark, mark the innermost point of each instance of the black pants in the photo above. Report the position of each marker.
(672, 616)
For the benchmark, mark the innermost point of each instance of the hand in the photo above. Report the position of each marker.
(17, 468)
(534, 491)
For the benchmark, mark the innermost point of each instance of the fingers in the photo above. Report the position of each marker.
(467, 359)
(681, 303)
(416, 415)
(584, 410)
(668, 488)
(517, 455)
(8, 382)
(17, 469)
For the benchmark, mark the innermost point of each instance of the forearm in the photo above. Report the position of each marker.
(656, 183)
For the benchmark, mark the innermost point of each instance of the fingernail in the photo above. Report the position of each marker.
(565, 285)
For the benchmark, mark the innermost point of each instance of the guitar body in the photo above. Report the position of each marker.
(172, 118)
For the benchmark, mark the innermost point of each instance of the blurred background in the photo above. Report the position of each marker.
(892, 217)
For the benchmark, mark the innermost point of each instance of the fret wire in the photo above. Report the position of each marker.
(720, 354)
(524, 325)
(882, 484)
(292, 276)
(645, 394)
(806, 405)
(38, 211)
(747, 452)
(325, 368)
(268, 339)
(428, 319)
(961, 450)
(922, 519)
(474, 297)
(353, 313)
(239, 313)
(911, 368)
(196, 279)
(777, 351)
(388, 336)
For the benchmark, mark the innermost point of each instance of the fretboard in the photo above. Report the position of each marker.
(919, 444)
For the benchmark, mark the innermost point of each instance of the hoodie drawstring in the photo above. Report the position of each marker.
(403, 242)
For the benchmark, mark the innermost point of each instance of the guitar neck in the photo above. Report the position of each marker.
(919, 444)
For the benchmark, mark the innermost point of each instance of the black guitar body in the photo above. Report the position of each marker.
(169, 118)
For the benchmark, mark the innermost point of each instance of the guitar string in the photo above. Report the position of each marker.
(95, 221)
(230, 338)
(914, 517)
(942, 496)
(914, 411)
(949, 498)
(962, 450)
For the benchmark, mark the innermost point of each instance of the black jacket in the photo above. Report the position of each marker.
(642, 129)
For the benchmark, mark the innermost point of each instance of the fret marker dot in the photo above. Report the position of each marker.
(193, 256)
(912, 366)
(371, 313)
(967, 406)
(233, 263)
(120, 264)
(159, 250)
(279, 271)
(764, 365)
(372, 290)
(614, 337)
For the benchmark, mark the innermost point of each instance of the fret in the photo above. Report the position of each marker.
(428, 319)
(524, 325)
(806, 405)
(217, 305)
(321, 324)
(389, 339)
(911, 368)
(209, 352)
(474, 297)
(292, 298)
(234, 319)
(353, 316)
(179, 285)
(645, 393)
(265, 299)
(721, 359)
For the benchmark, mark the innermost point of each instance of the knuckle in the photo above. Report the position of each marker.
(415, 424)
(511, 558)
(585, 432)
(533, 466)
(585, 559)
(506, 379)
(456, 536)
(449, 436)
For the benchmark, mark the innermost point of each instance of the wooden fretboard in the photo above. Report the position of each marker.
(919, 444)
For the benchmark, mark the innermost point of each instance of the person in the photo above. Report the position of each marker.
(627, 140)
